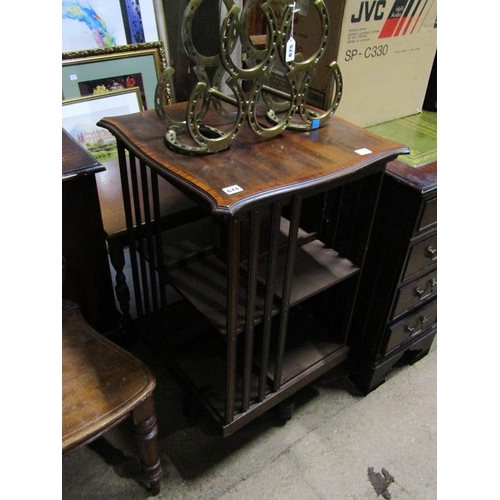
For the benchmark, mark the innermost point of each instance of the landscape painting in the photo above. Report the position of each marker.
(80, 117)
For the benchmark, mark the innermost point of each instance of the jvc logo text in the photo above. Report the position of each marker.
(369, 9)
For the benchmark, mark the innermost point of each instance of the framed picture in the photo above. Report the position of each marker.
(80, 117)
(92, 72)
(93, 24)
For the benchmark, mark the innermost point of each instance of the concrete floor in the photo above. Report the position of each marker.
(336, 445)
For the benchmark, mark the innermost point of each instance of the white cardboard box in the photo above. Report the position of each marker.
(385, 50)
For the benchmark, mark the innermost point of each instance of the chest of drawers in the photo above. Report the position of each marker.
(395, 318)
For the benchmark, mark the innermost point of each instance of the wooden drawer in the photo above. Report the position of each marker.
(415, 293)
(411, 326)
(429, 215)
(420, 256)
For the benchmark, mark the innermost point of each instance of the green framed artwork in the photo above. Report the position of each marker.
(80, 117)
(96, 71)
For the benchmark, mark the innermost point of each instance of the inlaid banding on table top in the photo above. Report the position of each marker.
(262, 168)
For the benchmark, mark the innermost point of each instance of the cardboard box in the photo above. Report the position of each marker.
(385, 50)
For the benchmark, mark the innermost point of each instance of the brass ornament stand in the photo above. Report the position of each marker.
(281, 109)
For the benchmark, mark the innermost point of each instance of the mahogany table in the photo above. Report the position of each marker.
(272, 269)
(102, 385)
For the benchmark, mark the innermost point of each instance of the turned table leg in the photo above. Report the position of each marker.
(146, 432)
(117, 258)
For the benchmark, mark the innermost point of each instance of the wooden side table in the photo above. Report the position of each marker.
(102, 384)
(272, 270)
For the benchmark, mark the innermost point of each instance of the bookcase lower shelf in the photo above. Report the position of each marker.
(201, 365)
(312, 346)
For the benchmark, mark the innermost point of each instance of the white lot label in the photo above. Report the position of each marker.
(290, 50)
(363, 151)
(232, 189)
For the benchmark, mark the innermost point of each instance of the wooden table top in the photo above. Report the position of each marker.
(423, 178)
(101, 382)
(76, 160)
(261, 168)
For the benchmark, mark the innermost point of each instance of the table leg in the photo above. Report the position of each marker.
(117, 258)
(146, 432)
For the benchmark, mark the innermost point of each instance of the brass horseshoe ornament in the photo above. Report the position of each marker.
(257, 72)
(301, 72)
(285, 110)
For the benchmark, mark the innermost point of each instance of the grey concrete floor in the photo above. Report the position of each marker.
(336, 446)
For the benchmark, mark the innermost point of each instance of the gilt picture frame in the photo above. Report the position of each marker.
(95, 71)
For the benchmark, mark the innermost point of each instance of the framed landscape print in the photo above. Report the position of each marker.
(96, 71)
(80, 117)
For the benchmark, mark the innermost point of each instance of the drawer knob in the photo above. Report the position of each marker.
(419, 291)
(431, 252)
(433, 283)
(409, 329)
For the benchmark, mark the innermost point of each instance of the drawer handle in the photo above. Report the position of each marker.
(431, 252)
(420, 292)
(409, 329)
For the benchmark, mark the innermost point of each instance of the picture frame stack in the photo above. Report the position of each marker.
(110, 81)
